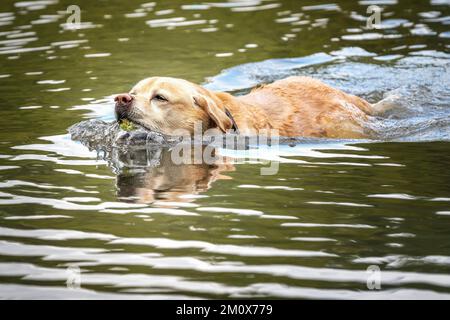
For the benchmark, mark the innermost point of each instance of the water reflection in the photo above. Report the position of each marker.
(161, 179)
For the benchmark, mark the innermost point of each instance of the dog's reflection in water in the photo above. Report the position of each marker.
(153, 176)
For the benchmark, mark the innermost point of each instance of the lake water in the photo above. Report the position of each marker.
(75, 223)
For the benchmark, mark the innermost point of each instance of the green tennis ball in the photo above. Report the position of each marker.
(127, 125)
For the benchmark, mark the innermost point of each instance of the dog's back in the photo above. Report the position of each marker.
(302, 106)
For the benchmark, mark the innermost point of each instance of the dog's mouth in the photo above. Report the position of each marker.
(132, 116)
(122, 113)
(125, 116)
(124, 120)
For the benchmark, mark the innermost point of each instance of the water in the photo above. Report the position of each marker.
(138, 226)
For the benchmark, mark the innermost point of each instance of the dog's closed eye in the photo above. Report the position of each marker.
(159, 97)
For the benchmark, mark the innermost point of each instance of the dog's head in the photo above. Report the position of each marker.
(167, 104)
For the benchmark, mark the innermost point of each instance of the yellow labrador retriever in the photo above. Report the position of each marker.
(295, 106)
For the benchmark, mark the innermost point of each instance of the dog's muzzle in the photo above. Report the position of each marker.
(123, 105)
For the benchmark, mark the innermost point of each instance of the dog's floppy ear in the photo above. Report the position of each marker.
(216, 113)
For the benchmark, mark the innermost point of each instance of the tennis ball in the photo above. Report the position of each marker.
(127, 125)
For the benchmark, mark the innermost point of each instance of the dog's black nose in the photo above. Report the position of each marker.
(123, 99)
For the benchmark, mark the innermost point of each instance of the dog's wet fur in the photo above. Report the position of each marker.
(295, 107)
